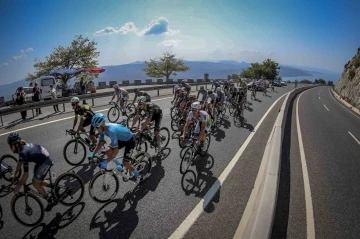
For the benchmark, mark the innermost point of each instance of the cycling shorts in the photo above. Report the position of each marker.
(157, 117)
(129, 147)
(40, 170)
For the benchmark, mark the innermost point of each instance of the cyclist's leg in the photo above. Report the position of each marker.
(129, 146)
(157, 119)
(40, 171)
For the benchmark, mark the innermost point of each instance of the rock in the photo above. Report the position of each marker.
(348, 87)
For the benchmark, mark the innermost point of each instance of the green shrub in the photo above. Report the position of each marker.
(352, 74)
(357, 62)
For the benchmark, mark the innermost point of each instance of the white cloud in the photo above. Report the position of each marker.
(5, 64)
(128, 27)
(271, 53)
(170, 43)
(19, 57)
(30, 49)
(159, 26)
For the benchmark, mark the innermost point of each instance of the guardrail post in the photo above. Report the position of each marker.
(32, 111)
(196, 87)
(2, 123)
(92, 101)
(63, 107)
(158, 92)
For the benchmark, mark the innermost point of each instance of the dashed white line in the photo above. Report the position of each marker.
(326, 108)
(310, 224)
(319, 97)
(354, 137)
(50, 122)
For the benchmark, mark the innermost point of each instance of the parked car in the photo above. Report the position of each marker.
(283, 83)
(277, 83)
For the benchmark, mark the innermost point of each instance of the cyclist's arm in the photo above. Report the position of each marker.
(80, 127)
(148, 119)
(134, 99)
(25, 175)
(75, 121)
(18, 167)
(202, 131)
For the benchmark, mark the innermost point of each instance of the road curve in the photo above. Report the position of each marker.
(160, 205)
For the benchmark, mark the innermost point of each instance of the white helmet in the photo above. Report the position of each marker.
(75, 100)
(196, 106)
(116, 86)
(218, 89)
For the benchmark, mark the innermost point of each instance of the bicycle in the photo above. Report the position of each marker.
(192, 151)
(57, 191)
(147, 135)
(115, 110)
(6, 168)
(77, 140)
(138, 161)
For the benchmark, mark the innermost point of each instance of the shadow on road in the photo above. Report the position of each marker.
(218, 134)
(119, 218)
(48, 231)
(1, 215)
(281, 217)
(198, 181)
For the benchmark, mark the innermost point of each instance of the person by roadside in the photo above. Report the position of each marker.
(36, 97)
(53, 96)
(20, 100)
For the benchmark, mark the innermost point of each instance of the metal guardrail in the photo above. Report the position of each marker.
(92, 96)
(260, 221)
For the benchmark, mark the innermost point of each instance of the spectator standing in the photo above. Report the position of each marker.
(83, 88)
(53, 96)
(20, 100)
(36, 97)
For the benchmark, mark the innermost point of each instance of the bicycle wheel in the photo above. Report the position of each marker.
(27, 207)
(130, 109)
(106, 180)
(165, 137)
(8, 166)
(76, 147)
(206, 144)
(130, 120)
(173, 112)
(143, 163)
(72, 185)
(140, 144)
(186, 160)
(113, 114)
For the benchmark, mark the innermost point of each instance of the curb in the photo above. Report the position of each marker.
(345, 103)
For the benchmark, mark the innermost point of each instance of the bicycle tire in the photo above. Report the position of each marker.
(130, 109)
(167, 136)
(138, 145)
(17, 218)
(136, 162)
(65, 150)
(129, 121)
(203, 152)
(91, 185)
(118, 114)
(190, 150)
(12, 169)
(56, 192)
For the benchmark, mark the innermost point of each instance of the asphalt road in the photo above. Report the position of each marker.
(160, 205)
(332, 158)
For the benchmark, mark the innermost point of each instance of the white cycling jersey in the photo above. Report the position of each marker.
(204, 117)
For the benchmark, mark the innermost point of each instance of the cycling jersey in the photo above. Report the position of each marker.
(84, 111)
(185, 97)
(122, 92)
(116, 132)
(154, 112)
(143, 93)
(36, 154)
(204, 117)
(187, 87)
(204, 95)
(216, 84)
(212, 98)
(220, 96)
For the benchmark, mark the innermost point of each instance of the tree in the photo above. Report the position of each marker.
(322, 82)
(330, 83)
(165, 66)
(247, 73)
(316, 81)
(270, 69)
(82, 53)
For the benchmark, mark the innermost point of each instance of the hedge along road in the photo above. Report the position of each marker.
(160, 205)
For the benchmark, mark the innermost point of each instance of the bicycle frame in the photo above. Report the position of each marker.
(77, 136)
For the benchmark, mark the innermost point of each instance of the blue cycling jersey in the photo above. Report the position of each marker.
(116, 132)
(32, 153)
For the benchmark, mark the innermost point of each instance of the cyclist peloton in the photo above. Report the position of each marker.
(176, 94)
(153, 113)
(186, 86)
(139, 93)
(187, 107)
(85, 112)
(122, 96)
(120, 137)
(29, 152)
(204, 94)
(209, 103)
(203, 122)
(220, 96)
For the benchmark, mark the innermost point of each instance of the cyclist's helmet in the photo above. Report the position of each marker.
(116, 86)
(218, 89)
(202, 87)
(141, 99)
(196, 106)
(75, 100)
(210, 92)
(183, 82)
(192, 97)
(97, 120)
(13, 138)
(136, 90)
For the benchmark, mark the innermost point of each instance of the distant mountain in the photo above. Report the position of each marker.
(216, 70)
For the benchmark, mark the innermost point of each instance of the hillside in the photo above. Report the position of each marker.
(348, 87)
(216, 70)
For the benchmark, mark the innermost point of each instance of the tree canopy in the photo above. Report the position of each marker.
(269, 69)
(82, 53)
(165, 66)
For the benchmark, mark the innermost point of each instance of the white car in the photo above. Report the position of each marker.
(283, 83)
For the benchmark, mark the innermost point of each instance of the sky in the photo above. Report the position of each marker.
(323, 33)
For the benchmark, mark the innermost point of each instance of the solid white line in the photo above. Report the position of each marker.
(349, 110)
(354, 138)
(310, 224)
(319, 97)
(72, 117)
(196, 212)
(326, 108)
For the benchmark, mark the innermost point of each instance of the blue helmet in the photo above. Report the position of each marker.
(97, 120)
(13, 138)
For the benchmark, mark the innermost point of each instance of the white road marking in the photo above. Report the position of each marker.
(310, 224)
(326, 108)
(199, 208)
(72, 117)
(343, 106)
(354, 138)
(319, 97)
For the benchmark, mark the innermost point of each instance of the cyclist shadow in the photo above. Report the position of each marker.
(218, 134)
(258, 100)
(120, 218)
(162, 155)
(5, 190)
(48, 231)
(1, 221)
(268, 96)
(176, 135)
(198, 181)
(86, 171)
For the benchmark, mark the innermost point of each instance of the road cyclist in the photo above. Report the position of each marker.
(122, 96)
